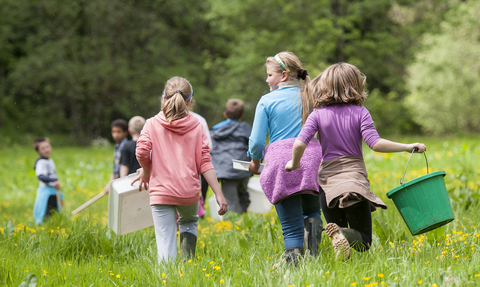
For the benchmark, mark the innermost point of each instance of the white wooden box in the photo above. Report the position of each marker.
(258, 201)
(128, 209)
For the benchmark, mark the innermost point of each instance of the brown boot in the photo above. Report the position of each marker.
(339, 241)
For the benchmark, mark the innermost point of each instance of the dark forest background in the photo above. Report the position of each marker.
(68, 68)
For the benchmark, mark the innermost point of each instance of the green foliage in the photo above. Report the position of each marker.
(73, 67)
(444, 77)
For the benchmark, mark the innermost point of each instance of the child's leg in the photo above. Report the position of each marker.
(332, 215)
(244, 197)
(165, 231)
(188, 225)
(51, 206)
(204, 187)
(359, 218)
(290, 214)
(229, 189)
(312, 223)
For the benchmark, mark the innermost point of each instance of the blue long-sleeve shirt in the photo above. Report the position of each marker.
(278, 114)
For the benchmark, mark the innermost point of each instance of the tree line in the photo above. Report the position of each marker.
(71, 67)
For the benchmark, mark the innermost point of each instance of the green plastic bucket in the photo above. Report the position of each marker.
(423, 202)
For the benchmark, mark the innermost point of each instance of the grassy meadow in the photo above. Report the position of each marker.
(242, 250)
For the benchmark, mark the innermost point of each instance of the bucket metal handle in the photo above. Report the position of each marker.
(413, 151)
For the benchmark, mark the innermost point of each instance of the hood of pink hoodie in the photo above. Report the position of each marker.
(181, 126)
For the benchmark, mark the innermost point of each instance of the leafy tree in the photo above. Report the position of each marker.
(444, 77)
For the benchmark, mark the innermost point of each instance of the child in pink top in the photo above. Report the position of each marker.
(173, 150)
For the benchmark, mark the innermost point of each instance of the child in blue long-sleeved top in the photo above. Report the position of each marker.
(48, 193)
(230, 141)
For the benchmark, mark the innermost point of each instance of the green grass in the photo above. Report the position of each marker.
(83, 251)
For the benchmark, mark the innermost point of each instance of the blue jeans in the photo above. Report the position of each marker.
(291, 212)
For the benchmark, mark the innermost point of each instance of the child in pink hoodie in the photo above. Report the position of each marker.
(173, 150)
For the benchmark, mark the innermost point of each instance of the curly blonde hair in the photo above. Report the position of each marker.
(341, 83)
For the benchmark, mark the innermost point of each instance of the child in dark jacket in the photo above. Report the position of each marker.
(230, 141)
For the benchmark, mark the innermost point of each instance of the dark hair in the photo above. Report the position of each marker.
(234, 109)
(120, 123)
(39, 140)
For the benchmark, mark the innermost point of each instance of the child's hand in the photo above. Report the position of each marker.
(143, 177)
(106, 189)
(57, 185)
(254, 166)
(222, 203)
(289, 166)
(420, 146)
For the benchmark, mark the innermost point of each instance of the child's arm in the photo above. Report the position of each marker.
(212, 180)
(123, 170)
(106, 189)
(384, 145)
(297, 153)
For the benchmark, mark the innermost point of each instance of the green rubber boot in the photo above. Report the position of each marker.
(188, 242)
(354, 239)
(313, 234)
(293, 255)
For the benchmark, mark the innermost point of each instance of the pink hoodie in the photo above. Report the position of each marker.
(179, 153)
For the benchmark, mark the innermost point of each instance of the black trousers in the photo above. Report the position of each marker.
(51, 206)
(357, 216)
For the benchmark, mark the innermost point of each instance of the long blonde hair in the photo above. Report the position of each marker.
(176, 94)
(294, 69)
(341, 83)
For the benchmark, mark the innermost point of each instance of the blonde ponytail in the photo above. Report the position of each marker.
(177, 93)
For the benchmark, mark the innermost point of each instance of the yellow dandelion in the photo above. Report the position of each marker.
(426, 262)
(45, 272)
(420, 282)
(207, 275)
(189, 261)
(328, 272)
(380, 275)
(476, 275)
(204, 269)
(217, 267)
(181, 275)
(353, 284)
(366, 278)
(434, 285)
(118, 276)
(163, 275)
(211, 262)
(222, 281)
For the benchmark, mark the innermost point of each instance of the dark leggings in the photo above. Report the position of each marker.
(204, 187)
(51, 206)
(357, 216)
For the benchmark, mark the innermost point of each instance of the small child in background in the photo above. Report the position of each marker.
(119, 134)
(173, 150)
(48, 193)
(128, 160)
(230, 141)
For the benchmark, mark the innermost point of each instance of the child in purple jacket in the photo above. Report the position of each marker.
(342, 122)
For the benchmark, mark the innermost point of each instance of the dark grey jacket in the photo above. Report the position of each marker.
(230, 142)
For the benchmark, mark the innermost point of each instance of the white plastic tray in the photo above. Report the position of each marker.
(258, 201)
(243, 165)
